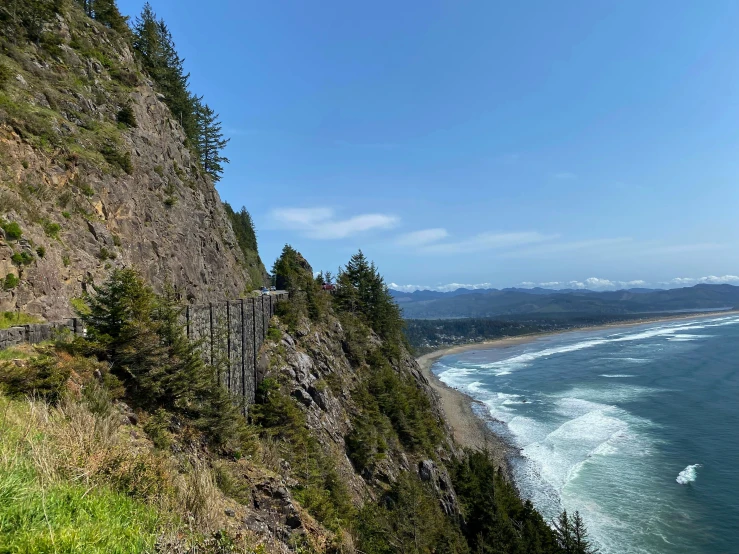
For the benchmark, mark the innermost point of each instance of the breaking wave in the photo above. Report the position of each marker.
(688, 475)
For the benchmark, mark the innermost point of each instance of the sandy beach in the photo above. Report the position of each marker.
(471, 430)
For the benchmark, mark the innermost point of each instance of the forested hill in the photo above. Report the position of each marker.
(496, 303)
(108, 159)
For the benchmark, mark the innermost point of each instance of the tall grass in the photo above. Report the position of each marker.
(48, 503)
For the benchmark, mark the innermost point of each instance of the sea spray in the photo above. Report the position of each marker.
(688, 475)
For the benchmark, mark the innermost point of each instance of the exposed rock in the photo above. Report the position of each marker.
(164, 218)
(438, 478)
(303, 397)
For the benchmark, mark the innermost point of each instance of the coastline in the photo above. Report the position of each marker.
(469, 429)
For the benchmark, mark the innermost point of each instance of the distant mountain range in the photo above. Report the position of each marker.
(427, 304)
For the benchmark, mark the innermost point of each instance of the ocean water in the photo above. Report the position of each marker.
(635, 427)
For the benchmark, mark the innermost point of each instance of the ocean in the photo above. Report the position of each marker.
(635, 427)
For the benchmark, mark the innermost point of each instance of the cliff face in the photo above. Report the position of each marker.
(95, 171)
(317, 373)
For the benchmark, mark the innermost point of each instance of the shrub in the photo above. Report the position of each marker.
(52, 229)
(274, 334)
(141, 336)
(22, 258)
(5, 75)
(126, 116)
(125, 77)
(117, 158)
(12, 230)
(41, 251)
(41, 376)
(11, 281)
(106, 254)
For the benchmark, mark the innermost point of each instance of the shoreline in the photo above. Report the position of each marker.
(470, 429)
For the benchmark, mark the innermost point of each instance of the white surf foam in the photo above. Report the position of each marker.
(688, 475)
(505, 367)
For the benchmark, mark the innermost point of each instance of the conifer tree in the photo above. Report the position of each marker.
(563, 531)
(210, 142)
(580, 538)
(361, 289)
(154, 43)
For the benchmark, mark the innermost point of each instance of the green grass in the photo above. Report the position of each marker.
(11, 319)
(39, 512)
(14, 353)
(69, 518)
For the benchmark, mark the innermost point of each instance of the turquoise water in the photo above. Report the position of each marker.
(635, 427)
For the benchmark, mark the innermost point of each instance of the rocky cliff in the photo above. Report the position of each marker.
(95, 173)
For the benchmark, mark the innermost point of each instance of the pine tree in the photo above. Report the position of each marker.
(563, 531)
(582, 544)
(155, 45)
(210, 142)
(121, 330)
(361, 289)
(107, 13)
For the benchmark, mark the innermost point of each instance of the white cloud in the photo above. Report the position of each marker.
(597, 283)
(440, 288)
(591, 283)
(321, 222)
(486, 241)
(420, 238)
(709, 280)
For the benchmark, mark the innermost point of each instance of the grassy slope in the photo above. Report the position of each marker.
(42, 509)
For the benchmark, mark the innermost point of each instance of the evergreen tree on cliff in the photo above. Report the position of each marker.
(210, 141)
(362, 290)
(155, 45)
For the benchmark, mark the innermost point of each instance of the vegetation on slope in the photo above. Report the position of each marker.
(246, 236)
(80, 94)
(393, 413)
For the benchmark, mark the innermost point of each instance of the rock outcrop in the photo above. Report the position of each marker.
(314, 369)
(89, 192)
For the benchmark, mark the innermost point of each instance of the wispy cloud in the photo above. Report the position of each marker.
(322, 223)
(420, 238)
(486, 241)
(564, 176)
(591, 283)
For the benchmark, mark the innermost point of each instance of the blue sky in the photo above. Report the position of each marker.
(479, 142)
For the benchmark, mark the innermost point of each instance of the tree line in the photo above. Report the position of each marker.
(394, 411)
(155, 48)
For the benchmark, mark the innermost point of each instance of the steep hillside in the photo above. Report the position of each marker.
(95, 171)
(120, 442)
